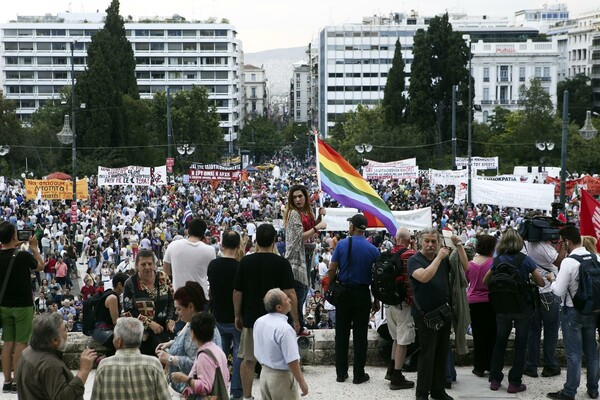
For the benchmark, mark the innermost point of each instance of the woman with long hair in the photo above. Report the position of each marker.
(483, 317)
(179, 354)
(508, 250)
(301, 227)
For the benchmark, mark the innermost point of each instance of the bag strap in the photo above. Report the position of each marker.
(348, 259)
(218, 381)
(8, 271)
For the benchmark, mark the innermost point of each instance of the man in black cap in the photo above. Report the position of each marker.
(354, 257)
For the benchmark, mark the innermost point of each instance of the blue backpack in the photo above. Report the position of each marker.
(587, 298)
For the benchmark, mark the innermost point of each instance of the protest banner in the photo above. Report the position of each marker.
(512, 194)
(132, 175)
(55, 189)
(478, 162)
(336, 219)
(447, 177)
(210, 172)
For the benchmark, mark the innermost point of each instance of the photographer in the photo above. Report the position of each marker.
(548, 255)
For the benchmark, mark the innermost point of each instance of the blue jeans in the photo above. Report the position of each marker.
(301, 292)
(231, 336)
(504, 325)
(548, 318)
(579, 337)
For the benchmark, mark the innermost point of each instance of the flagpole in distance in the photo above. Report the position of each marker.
(315, 133)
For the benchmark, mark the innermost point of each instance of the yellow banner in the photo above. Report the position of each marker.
(55, 189)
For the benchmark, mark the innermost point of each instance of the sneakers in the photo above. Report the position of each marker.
(531, 373)
(548, 372)
(559, 396)
(593, 394)
(390, 372)
(361, 379)
(494, 385)
(6, 388)
(13, 387)
(398, 381)
(305, 332)
(516, 388)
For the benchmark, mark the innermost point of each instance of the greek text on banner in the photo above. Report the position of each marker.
(55, 189)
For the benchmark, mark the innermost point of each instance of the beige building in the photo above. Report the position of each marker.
(256, 99)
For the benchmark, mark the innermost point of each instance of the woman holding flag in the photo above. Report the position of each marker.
(300, 231)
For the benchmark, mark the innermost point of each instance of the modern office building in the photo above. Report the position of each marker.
(256, 98)
(542, 18)
(171, 52)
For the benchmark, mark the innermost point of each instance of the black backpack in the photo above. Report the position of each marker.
(385, 273)
(509, 293)
(587, 297)
(89, 311)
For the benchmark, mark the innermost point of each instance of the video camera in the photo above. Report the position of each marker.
(540, 229)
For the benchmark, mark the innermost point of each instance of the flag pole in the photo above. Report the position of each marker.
(314, 133)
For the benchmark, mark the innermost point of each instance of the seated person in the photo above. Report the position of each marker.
(66, 310)
(107, 313)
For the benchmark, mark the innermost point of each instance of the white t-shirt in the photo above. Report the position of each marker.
(189, 262)
(544, 254)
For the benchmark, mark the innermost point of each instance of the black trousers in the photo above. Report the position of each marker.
(483, 323)
(352, 312)
(431, 373)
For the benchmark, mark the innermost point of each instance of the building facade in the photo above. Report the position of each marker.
(300, 91)
(256, 99)
(36, 60)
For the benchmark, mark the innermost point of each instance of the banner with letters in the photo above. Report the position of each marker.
(512, 194)
(55, 189)
(478, 162)
(589, 183)
(210, 172)
(402, 169)
(337, 219)
(447, 177)
(132, 175)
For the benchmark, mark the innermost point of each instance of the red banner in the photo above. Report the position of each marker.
(591, 184)
(589, 217)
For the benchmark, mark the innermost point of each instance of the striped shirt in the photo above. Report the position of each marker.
(130, 374)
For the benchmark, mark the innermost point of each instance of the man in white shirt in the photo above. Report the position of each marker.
(276, 349)
(578, 329)
(188, 259)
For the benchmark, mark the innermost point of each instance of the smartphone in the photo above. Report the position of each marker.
(23, 235)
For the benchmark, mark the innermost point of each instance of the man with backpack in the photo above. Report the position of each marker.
(577, 283)
(399, 319)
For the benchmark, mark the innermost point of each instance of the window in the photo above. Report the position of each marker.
(207, 47)
(157, 46)
(44, 89)
(504, 73)
(59, 75)
(59, 46)
(75, 32)
(175, 75)
(44, 46)
(157, 60)
(298, 104)
(157, 33)
(172, 32)
(175, 61)
(521, 74)
(190, 75)
(252, 77)
(44, 61)
(26, 46)
(59, 60)
(158, 75)
(189, 47)
(58, 32)
(175, 46)
(43, 75)
(205, 32)
(220, 46)
(253, 92)
(12, 75)
(222, 75)
(254, 106)
(11, 46)
(190, 61)
(297, 94)
(538, 72)
(486, 74)
(26, 32)
(486, 94)
(26, 74)
(142, 46)
(142, 74)
(485, 117)
(142, 32)
(189, 33)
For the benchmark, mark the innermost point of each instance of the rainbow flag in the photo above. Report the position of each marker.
(342, 182)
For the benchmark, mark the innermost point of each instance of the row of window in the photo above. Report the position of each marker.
(202, 46)
(136, 32)
(366, 47)
(371, 34)
(363, 61)
(375, 88)
(504, 73)
(204, 75)
(10, 60)
(39, 75)
(220, 61)
(352, 102)
(357, 75)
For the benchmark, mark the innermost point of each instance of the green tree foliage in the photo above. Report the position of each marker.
(580, 97)
(261, 138)
(194, 120)
(109, 76)
(538, 114)
(394, 102)
(440, 60)
(10, 135)
(296, 136)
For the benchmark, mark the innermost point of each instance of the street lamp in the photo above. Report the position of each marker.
(4, 150)
(588, 132)
(68, 135)
(363, 148)
(542, 146)
(185, 148)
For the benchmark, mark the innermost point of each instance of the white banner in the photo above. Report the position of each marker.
(478, 162)
(512, 194)
(336, 218)
(447, 177)
(386, 172)
(2, 184)
(512, 178)
(132, 175)
(409, 162)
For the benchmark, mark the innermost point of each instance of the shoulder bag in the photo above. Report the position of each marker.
(335, 290)
(219, 388)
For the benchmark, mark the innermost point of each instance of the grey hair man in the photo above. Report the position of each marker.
(276, 349)
(129, 371)
(43, 360)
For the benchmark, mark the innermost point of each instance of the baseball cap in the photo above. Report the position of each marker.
(359, 221)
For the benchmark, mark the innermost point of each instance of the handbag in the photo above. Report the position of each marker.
(336, 290)
(438, 318)
(5, 283)
(219, 389)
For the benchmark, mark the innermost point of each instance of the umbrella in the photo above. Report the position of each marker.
(59, 175)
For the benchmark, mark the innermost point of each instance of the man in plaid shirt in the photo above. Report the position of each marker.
(130, 372)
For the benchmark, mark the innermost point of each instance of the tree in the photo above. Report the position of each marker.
(580, 97)
(394, 102)
(194, 120)
(11, 134)
(538, 114)
(439, 63)
(261, 137)
(109, 76)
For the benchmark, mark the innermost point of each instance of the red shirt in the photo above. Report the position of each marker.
(404, 276)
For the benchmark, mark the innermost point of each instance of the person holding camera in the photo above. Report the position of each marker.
(16, 302)
(428, 270)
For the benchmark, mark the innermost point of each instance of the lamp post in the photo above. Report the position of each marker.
(467, 38)
(363, 148)
(186, 149)
(68, 135)
(542, 146)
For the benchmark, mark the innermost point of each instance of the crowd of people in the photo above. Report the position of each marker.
(194, 274)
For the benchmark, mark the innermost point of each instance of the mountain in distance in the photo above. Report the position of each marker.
(278, 65)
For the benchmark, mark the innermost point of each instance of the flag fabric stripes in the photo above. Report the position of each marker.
(589, 217)
(343, 183)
